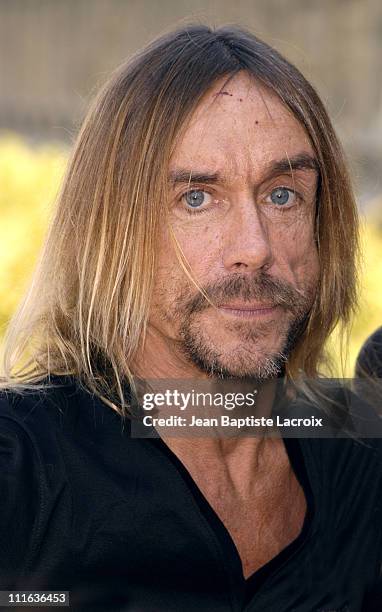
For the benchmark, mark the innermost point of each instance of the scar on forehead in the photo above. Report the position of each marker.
(223, 93)
(226, 93)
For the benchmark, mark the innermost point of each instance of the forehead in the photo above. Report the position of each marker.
(240, 125)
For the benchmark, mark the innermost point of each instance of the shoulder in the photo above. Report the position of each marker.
(351, 441)
(29, 419)
(54, 404)
(33, 473)
(56, 424)
(23, 485)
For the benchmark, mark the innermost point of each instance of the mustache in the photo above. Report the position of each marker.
(261, 287)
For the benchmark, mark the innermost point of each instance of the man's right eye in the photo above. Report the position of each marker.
(195, 198)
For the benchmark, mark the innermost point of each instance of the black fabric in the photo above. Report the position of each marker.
(120, 523)
(369, 360)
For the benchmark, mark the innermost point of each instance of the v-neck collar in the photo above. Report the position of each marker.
(245, 591)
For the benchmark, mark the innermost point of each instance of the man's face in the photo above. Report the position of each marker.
(245, 224)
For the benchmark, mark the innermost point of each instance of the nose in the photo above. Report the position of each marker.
(247, 245)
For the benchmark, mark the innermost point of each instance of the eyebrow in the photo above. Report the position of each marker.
(302, 161)
(188, 176)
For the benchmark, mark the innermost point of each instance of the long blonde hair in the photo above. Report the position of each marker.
(86, 311)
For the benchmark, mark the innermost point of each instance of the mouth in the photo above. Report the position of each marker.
(249, 311)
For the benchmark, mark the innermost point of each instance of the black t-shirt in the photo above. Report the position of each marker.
(120, 523)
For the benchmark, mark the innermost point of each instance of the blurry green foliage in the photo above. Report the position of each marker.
(29, 181)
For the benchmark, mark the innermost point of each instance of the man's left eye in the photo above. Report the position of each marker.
(282, 196)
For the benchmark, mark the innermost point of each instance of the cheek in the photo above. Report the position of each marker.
(197, 251)
(296, 250)
(200, 245)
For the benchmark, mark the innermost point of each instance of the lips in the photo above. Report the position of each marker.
(254, 311)
(246, 307)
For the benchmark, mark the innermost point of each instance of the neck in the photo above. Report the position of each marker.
(161, 366)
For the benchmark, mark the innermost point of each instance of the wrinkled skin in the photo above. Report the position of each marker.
(247, 233)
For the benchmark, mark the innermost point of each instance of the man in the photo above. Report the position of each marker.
(206, 230)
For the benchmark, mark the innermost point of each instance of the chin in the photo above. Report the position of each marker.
(262, 357)
(254, 364)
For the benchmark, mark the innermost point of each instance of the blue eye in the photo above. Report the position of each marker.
(195, 198)
(282, 196)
